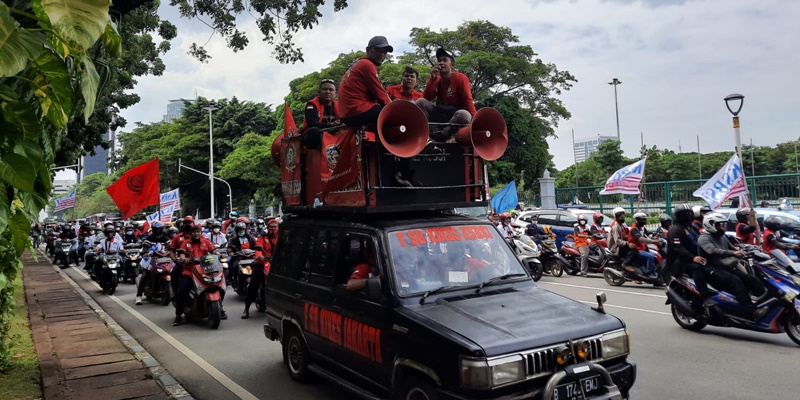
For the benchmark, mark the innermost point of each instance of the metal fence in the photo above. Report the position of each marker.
(659, 197)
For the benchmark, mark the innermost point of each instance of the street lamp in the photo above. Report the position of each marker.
(211, 155)
(614, 82)
(736, 101)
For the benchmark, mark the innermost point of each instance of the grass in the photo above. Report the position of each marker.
(22, 380)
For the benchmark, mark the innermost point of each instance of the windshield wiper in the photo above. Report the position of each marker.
(432, 291)
(498, 278)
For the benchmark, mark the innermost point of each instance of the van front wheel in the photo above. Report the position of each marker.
(414, 388)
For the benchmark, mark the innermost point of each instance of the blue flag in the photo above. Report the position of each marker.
(506, 198)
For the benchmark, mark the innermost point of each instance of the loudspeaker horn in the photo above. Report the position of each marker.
(276, 150)
(403, 128)
(487, 134)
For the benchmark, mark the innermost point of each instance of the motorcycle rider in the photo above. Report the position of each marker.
(505, 226)
(267, 241)
(597, 230)
(195, 247)
(110, 244)
(130, 235)
(175, 243)
(580, 235)
(771, 236)
(683, 254)
(663, 230)
(95, 236)
(209, 224)
(171, 232)
(639, 237)
(722, 266)
(533, 230)
(744, 231)
(697, 224)
(261, 227)
(215, 235)
(228, 224)
(240, 241)
(618, 237)
(157, 237)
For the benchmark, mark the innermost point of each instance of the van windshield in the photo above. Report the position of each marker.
(463, 255)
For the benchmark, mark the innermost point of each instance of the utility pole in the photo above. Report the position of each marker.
(699, 166)
(752, 159)
(615, 82)
(211, 155)
(575, 157)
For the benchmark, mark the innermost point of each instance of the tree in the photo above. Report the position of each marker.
(609, 156)
(278, 21)
(250, 166)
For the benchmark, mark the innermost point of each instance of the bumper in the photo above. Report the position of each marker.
(623, 376)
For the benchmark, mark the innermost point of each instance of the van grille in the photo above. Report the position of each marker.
(543, 362)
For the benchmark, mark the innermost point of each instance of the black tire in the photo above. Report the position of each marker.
(536, 270)
(687, 322)
(557, 268)
(112, 285)
(612, 279)
(573, 268)
(415, 388)
(214, 314)
(166, 293)
(297, 356)
(792, 327)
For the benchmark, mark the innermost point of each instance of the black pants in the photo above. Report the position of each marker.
(737, 283)
(368, 119)
(145, 277)
(182, 297)
(256, 280)
(175, 277)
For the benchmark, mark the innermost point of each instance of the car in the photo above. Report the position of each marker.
(789, 221)
(447, 311)
(560, 221)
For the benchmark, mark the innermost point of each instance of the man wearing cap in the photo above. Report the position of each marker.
(453, 96)
(321, 112)
(361, 93)
(405, 90)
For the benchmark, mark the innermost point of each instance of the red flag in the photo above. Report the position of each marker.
(340, 158)
(289, 127)
(136, 189)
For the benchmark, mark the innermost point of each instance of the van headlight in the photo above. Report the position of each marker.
(616, 344)
(480, 373)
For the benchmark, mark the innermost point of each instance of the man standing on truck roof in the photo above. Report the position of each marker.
(361, 93)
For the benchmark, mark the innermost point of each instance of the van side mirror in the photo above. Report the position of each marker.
(374, 288)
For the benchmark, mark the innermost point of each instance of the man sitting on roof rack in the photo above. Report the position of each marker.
(453, 96)
(361, 93)
(321, 112)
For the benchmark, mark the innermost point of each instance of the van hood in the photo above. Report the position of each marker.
(518, 320)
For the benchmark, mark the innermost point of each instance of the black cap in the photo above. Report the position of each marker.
(380, 42)
(443, 53)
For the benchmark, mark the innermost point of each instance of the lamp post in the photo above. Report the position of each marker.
(211, 155)
(731, 103)
(614, 82)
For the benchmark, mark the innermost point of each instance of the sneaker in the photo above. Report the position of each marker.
(138, 300)
(584, 274)
(223, 315)
(177, 322)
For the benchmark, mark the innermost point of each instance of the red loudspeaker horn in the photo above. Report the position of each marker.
(403, 128)
(276, 150)
(487, 134)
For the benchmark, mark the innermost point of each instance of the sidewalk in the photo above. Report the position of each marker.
(79, 355)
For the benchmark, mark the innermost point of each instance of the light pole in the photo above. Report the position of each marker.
(230, 192)
(614, 82)
(211, 155)
(731, 103)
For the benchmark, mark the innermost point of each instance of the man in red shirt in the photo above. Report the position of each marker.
(175, 243)
(267, 241)
(321, 112)
(453, 96)
(196, 246)
(361, 93)
(405, 90)
(362, 272)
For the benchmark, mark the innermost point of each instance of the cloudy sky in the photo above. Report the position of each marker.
(677, 60)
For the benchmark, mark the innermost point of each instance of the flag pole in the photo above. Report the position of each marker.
(641, 183)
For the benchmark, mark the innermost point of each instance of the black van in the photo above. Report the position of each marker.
(447, 311)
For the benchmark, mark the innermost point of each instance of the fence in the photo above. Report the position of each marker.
(659, 197)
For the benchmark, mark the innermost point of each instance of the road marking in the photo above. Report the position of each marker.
(199, 361)
(606, 290)
(627, 308)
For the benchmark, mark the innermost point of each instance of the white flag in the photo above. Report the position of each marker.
(626, 180)
(170, 198)
(726, 183)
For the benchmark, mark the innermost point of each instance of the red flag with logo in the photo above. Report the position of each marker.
(289, 127)
(136, 189)
(340, 155)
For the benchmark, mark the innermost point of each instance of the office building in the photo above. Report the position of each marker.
(175, 109)
(585, 147)
(63, 186)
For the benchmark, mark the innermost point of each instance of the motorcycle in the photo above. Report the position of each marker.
(598, 257)
(553, 263)
(159, 284)
(246, 258)
(222, 251)
(528, 254)
(781, 278)
(109, 273)
(65, 253)
(616, 273)
(205, 296)
(131, 262)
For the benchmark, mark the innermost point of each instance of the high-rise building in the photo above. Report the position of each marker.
(585, 147)
(63, 186)
(95, 163)
(175, 109)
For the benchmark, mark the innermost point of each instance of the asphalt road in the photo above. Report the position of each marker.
(238, 361)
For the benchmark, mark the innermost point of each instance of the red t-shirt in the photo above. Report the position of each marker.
(176, 241)
(396, 93)
(196, 250)
(362, 271)
(452, 92)
(360, 89)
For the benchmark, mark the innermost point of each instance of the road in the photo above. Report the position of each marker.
(237, 361)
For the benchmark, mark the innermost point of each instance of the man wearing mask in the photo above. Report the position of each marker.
(453, 95)
(321, 112)
(361, 93)
(618, 238)
(266, 241)
(227, 225)
(639, 238)
(240, 241)
(130, 235)
(159, 239)
(697, 223)
(683, 254)
(175, 243)
(108, 245)
(722, 266)
(215, 236)
(195, 247)
(405, 90)
(580, 234)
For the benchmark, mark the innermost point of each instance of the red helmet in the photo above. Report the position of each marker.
(188, 218)
(505, 215)
(597, 217)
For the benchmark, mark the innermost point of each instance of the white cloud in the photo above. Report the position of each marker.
(677, 60)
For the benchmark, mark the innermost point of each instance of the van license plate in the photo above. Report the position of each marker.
(572, 390)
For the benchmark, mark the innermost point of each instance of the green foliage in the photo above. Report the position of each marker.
(45, 72)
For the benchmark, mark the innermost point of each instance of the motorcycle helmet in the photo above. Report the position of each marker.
(109, 231)
(210, 223)
(683, 213)
(773, 223)
(742, 215)
(135, 225)
(233, 215)
(640, 218)
(597, 218)
(157, 227)
(260, 222)
(505, 216)
(617, 211)
(666, 220)
(700, 211)
(172, 231)
(714, 222)
(188, 219)
(583, 218)
(240, 225)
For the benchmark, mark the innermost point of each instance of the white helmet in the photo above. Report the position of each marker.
(617, 210)
(711, 220)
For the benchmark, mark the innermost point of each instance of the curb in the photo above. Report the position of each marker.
(164, 378)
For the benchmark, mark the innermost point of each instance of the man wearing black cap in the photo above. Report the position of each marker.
(453, 96)
(361, 93)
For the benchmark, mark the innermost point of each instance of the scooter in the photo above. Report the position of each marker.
(109, 273)
(616, 272)
(159, 283)
(528, 254)
(222, 251)
(781, 300)
(246, 257)
(65, 253)
(597, 256)
(205, 296)
(553, 263)
(132, 262)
